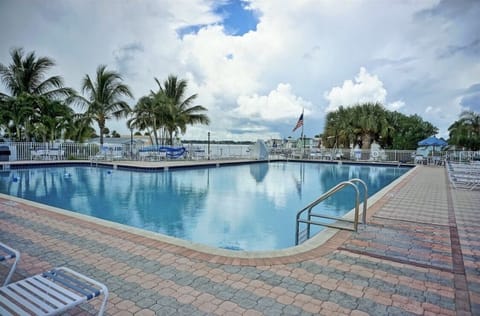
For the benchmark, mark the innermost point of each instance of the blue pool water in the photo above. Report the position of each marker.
(248, 207)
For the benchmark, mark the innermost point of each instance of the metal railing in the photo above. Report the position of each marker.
(386, 155)
(335, 224)
(365, 198)
(21, 151)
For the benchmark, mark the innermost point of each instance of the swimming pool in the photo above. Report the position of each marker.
(241, 207)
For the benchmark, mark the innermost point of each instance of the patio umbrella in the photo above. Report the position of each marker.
(432, 141)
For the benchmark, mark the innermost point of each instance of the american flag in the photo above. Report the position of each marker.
(299, 123)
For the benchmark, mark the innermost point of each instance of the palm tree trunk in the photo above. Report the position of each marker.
(170, 137)
(155, 134)
(366, 141)
(101, 134)
(19, 133)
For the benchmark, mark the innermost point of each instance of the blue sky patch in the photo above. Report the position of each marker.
(237, 20)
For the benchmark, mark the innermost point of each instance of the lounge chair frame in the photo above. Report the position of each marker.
(6, 254)
(49, 293)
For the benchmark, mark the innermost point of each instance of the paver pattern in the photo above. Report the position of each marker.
(418, 255)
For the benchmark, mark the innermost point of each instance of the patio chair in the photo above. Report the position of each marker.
(7, 254)
(55, 154)
(49, 293)
(463, 176)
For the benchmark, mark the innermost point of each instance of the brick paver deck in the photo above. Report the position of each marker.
(418, 255)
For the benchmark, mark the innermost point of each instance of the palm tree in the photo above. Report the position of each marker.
(56, 118)
(147, 115)
(345, 122)
(104, 98)
(177, 112)
(371, 123)
(16, 114)
(363, 122)
(79, 130)
(331, 130)
(465, 132)
(26, 74)
(473, 120)
(25, 82)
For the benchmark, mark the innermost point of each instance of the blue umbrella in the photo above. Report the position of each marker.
(432, 141)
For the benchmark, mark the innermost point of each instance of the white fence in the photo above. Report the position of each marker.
(22, 151)
(48, 151)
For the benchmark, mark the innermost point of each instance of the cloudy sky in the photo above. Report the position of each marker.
(256, 64)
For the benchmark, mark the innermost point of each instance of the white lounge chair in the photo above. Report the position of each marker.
(55, 154)
(6, 254)
(38, 154)
(463, 176)
(49, 293)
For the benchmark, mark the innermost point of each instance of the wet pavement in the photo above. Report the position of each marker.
(418, 255)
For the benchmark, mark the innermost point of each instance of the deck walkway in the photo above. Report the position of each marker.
(418, 255)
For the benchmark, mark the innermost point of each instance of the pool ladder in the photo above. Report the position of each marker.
(339, 222)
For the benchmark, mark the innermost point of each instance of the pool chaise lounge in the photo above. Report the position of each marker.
(8, 254)
(162, 152)
(464, 176)
(47, 154)
(49, 293)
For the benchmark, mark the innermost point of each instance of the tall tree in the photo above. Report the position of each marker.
(167, 111)
(178, 110)
(79, 130)
(409, 130)
(26, 74)
(17, 113)
(25, 80)
(364, 123)
(465, 132)
(56, 118)
(104, 98)
(371, 123)
(147, 115)
(471, 119)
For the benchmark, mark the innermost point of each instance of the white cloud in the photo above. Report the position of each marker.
(312, 45)
(222, 65)
(279, 104)
(365, 88)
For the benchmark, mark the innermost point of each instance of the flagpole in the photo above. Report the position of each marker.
(303, 136)
(300, 124)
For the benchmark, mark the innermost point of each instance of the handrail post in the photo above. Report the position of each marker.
(365, 198)
(357, 198)
(297, 229)
(309, 219)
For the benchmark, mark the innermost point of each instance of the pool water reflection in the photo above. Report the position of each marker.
(244, 207)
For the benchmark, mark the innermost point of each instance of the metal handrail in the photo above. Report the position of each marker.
(323, 197)
(365, 198)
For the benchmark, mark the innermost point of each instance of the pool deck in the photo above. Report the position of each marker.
(419, 254)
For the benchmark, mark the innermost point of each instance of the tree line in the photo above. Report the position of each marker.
(37, 107)
(362, 124)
